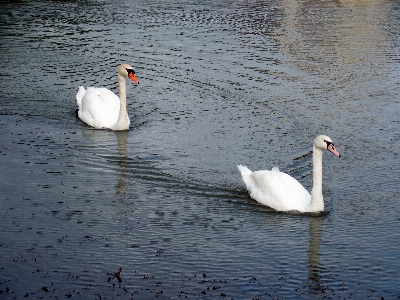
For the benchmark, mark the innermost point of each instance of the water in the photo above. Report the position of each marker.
(221, 83)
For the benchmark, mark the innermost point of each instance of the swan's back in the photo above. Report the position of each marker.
(98, 107)
(275, 189)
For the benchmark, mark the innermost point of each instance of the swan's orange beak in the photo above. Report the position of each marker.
(332, 149)
(133, 77)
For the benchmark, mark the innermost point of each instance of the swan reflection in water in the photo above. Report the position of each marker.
(105, 139)
(122, 137)
(315, 284)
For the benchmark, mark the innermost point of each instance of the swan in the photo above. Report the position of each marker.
(281, 191)
(101, 108)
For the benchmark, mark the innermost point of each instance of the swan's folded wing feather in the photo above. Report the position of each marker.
(278, 190)
(113, 106)
(100, 108)
(299, 196)
(108, 97)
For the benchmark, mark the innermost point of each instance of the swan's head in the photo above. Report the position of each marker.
(324, 142)
(127, 71)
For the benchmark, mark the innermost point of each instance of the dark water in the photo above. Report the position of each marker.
(221, 83)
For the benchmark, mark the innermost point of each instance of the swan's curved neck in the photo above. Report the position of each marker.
(317, 200)
(122, 123)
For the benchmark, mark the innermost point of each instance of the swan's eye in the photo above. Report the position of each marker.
(328, 144)
(130, 71)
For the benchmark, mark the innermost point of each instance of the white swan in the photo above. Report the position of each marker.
(101, 108)
(284, 193)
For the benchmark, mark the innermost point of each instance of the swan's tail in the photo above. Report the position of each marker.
(79, 96)
(246, 172)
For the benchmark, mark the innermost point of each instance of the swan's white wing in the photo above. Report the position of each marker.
(278, 190)
(100, 108)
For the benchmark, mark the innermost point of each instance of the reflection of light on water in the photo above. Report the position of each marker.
(342, 50)
(330, 38)
(107, 138)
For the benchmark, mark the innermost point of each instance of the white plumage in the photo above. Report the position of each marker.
(282, 192)
(98, 107)
(101, 108)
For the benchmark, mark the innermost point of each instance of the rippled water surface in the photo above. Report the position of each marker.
(221, 83)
